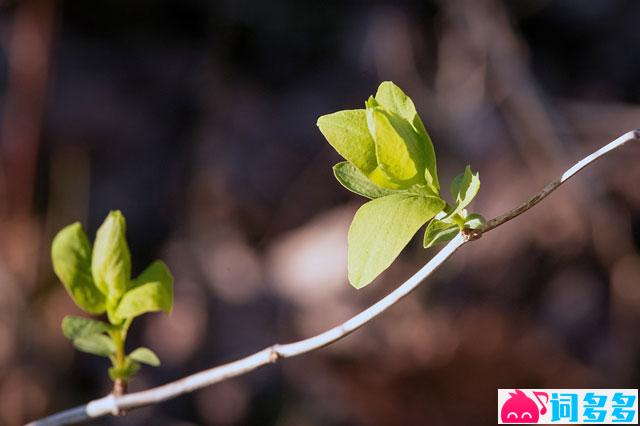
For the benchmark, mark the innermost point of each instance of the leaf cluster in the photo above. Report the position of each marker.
(98, 280)
(390, 159)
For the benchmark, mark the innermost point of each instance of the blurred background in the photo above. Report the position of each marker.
(197, 119)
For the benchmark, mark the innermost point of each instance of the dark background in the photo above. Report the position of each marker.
(197, 119)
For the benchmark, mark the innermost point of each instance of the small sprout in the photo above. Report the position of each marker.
(464, 188)
(439, 232)
(391, 160)
(99, 281)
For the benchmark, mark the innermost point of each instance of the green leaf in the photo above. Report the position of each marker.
(393, 99)
(87, 335)
(97, 344)
(71, 258)
(397, 146)
(439, 232)
(74, 327)
(158, 271)
(150, 297)
(380, 230)
(381, 178)
(355, 181)
(145, 356)
(152, 291)
(464, 188)
(347, 132)
(111, 263)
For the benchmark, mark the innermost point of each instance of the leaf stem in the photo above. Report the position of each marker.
(118, 342)
(120, 374)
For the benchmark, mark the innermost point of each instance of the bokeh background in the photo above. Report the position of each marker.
(197, 118)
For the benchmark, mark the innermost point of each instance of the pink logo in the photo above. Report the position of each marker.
(519, 408)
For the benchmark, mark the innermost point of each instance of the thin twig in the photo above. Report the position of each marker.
(629, 136)
(115, 404)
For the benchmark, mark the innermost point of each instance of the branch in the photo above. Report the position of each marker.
(500, 220)
(111, 404)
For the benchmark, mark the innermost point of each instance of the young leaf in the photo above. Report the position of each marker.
(74, 327)
(348, 134)
(158, 271)
(150, 297)
(380, 230)
(355, 181)
(151, 291)
(111, 262)
(381, 178)
(97, 344)
(464, 188)
(393, 99)
(439, 232)
(397, 147)
(145, 356)
(71, 258)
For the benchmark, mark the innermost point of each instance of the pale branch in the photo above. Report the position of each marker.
(629, 136)
(112, 404)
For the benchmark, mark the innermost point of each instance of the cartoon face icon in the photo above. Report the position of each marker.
(519, 408)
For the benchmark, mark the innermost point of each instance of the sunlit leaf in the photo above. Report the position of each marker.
(111, 262)
(393, 99)
(348, 134)
(464, 188)
(71, 258)
(380, 230)
(151, 291)
(397, 147)
(157, 271)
